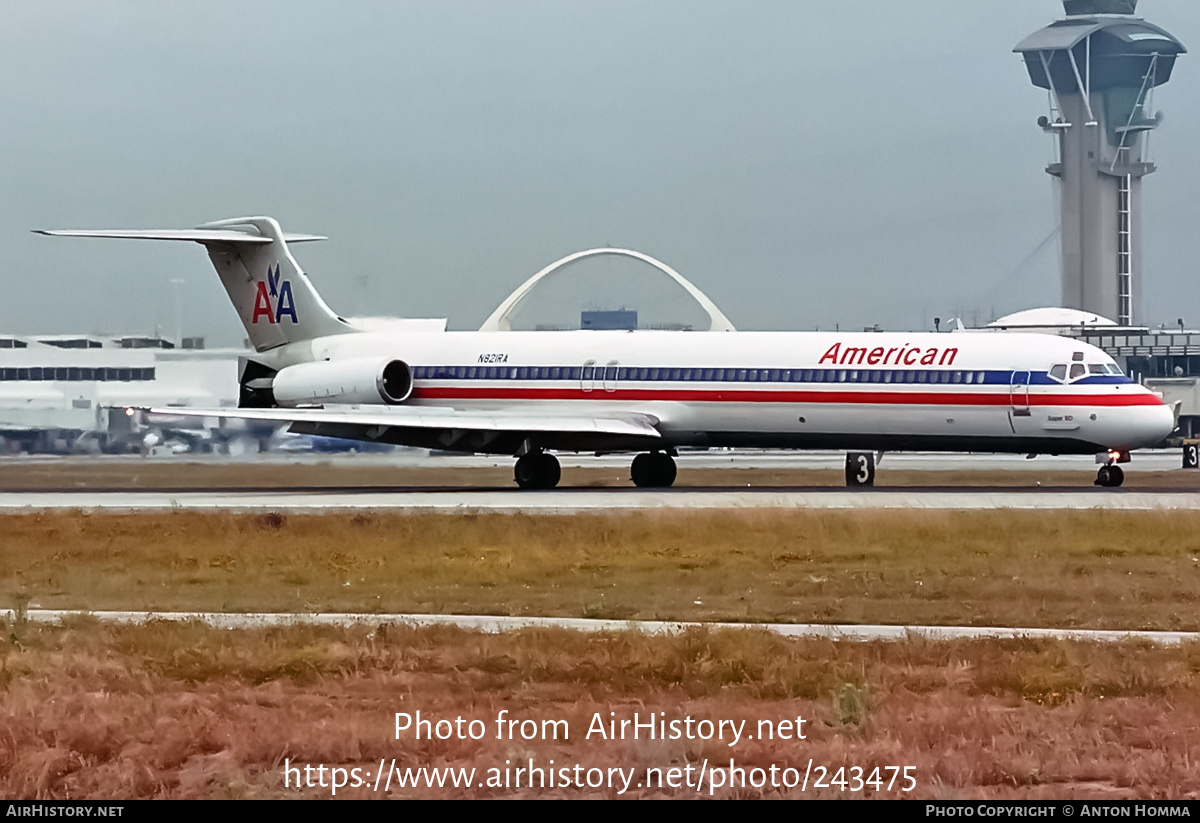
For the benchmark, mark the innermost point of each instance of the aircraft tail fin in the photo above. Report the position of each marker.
(273, 297)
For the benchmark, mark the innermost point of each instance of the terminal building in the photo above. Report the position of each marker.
(64, 393)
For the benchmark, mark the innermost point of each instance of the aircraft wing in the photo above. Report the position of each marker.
(497, 431)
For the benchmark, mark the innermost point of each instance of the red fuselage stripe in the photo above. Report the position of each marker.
(916, 398)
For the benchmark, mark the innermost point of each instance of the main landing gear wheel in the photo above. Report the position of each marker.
(653, 470)
(1109, 476)
(537, 470)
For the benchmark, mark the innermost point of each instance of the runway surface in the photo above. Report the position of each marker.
(1150, 460)
(493, 625)
(572, 501)
(501, 496)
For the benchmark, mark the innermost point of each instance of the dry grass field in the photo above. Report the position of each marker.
(90, 710)
(176, 710)
(1071, 569)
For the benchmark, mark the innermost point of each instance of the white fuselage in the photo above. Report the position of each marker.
(875, 391)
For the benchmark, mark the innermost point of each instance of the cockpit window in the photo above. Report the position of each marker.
(1070, 372)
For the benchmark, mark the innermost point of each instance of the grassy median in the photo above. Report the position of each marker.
(1077, 569)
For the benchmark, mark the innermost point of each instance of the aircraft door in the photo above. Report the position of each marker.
(1018, 394)
(587, 377)
(610, 375)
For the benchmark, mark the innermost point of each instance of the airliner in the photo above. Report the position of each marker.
(650, 393)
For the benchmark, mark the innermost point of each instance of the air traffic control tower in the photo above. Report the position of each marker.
(1100, 65)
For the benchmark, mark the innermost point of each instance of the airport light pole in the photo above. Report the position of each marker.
(178, 312)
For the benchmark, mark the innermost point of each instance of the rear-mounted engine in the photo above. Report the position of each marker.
(361, 380)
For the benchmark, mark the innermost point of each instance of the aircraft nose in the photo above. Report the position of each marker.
(1156, 424)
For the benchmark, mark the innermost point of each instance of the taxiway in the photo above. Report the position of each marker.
(572, 501)
(492, 624)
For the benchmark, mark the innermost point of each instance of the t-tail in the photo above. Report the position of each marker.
(273, 297)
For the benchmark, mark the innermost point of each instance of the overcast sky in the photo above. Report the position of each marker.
(804, 163)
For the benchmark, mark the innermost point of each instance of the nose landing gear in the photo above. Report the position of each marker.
(1109, 477)
(537, 470)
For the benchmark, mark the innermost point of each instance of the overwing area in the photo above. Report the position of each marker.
(492, 432)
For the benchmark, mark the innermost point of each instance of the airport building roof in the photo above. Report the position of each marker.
(1050, 317)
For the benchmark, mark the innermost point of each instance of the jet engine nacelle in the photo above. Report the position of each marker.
(360, 380)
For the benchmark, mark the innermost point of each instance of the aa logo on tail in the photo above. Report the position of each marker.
(274, 300)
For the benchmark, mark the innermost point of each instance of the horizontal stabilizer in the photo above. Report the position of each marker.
(194, 235)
